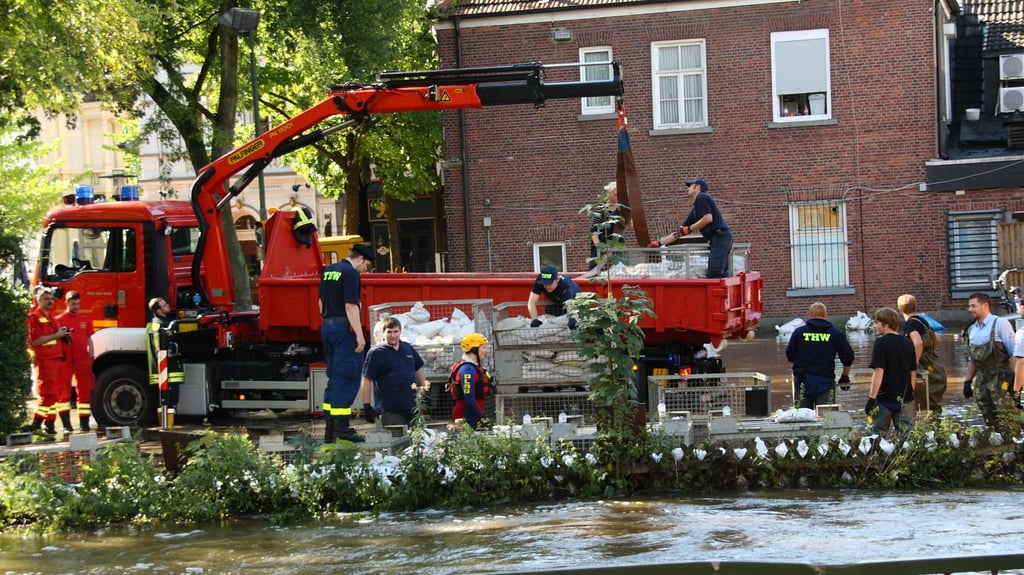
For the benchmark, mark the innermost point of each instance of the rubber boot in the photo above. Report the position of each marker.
(65, 418)
(83, 423)
(330, 435)
(51, 427)
(343, 431)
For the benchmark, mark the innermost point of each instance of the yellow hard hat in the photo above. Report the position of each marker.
(473, 340)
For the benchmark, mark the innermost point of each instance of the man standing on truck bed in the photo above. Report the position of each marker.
(343, 340)
(706, 218)
(557, 288)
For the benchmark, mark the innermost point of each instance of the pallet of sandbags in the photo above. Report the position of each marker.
(436, 328)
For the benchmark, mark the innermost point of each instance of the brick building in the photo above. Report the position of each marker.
(828, 130)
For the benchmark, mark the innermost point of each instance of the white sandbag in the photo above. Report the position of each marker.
(511, 323)
(802, 414)
(430, 330)
(418, 313)
(789, 327)
(859, 322)
(459, 316)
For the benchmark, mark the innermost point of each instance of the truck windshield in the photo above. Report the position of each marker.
(67, 252)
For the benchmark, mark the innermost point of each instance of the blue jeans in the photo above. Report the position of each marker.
(721, 246)
(344, 368)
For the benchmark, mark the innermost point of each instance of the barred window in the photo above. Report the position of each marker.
(973, 250)
(819, 248)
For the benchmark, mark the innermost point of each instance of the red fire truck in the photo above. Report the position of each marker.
(120, 254)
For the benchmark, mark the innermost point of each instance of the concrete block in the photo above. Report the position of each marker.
(272, 442)
(397, 430)
(83, 442)
(533, 431)
(562, 431)
(718, 425)
(378, 440)
(123, 433)
(14, 439)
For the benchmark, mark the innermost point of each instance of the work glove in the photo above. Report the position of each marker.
(535, 323)
(654, 244)
(1016, 400)
(369, 413)
(844, 382)
(572, 324)
(870, 406)
(683, 231)
(968, 391)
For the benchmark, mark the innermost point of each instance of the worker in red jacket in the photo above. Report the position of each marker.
(79, 362)
(46, 341)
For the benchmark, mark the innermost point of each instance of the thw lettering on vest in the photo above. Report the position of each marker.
(331, 275)
(808, 336)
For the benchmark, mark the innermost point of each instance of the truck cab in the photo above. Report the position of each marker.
(118, 255)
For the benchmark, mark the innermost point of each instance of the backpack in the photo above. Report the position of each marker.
(485, 387)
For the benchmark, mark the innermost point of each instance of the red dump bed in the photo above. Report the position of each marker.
(694, 311)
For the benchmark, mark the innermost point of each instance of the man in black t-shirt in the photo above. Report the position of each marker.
(891, 397)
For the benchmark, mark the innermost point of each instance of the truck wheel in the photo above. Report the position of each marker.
(123, 396)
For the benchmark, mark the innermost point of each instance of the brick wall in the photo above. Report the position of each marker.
(539, 167)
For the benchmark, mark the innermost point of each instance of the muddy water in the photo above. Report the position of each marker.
(819, 526)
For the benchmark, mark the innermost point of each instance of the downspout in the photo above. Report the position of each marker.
(464, 151)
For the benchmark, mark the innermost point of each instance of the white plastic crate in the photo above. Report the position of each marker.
(438, 338)
(746, 394)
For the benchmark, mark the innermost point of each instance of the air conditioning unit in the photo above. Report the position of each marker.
(1011, 100)
(1011, 67)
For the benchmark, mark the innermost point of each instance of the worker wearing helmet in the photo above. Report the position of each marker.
(470, 380)
(557, 288)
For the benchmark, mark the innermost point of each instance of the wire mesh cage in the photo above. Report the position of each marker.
(746, 394)
(512, 328)
(543, 366)
(677, 261)
(577, 407)
(436, 328)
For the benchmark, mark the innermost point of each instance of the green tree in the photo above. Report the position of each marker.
(354, 46)
(15, 383)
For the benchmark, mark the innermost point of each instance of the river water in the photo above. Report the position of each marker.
(783, 526)
(779, 526)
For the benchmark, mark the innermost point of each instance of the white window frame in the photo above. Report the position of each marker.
(819, 255)
(680, 75)
(778, 111)
(596, 104)
(973, 250)
(539, 262)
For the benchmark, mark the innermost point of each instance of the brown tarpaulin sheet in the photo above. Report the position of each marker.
(628, 184)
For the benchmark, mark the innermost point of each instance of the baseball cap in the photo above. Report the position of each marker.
(703, 185)
(548, 274)
(363, 250)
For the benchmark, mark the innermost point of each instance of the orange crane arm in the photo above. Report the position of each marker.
(423, 91)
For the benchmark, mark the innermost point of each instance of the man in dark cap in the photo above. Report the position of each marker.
(705, 217)
(343, 340)
(557, 288)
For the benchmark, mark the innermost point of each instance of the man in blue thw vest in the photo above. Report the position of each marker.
(813, 348)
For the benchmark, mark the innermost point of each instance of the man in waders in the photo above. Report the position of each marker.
(990, 347)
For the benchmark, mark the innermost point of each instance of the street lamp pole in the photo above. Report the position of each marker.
(244, 22)
(251, 35)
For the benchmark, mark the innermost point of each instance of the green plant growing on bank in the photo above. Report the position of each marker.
(608, 336)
